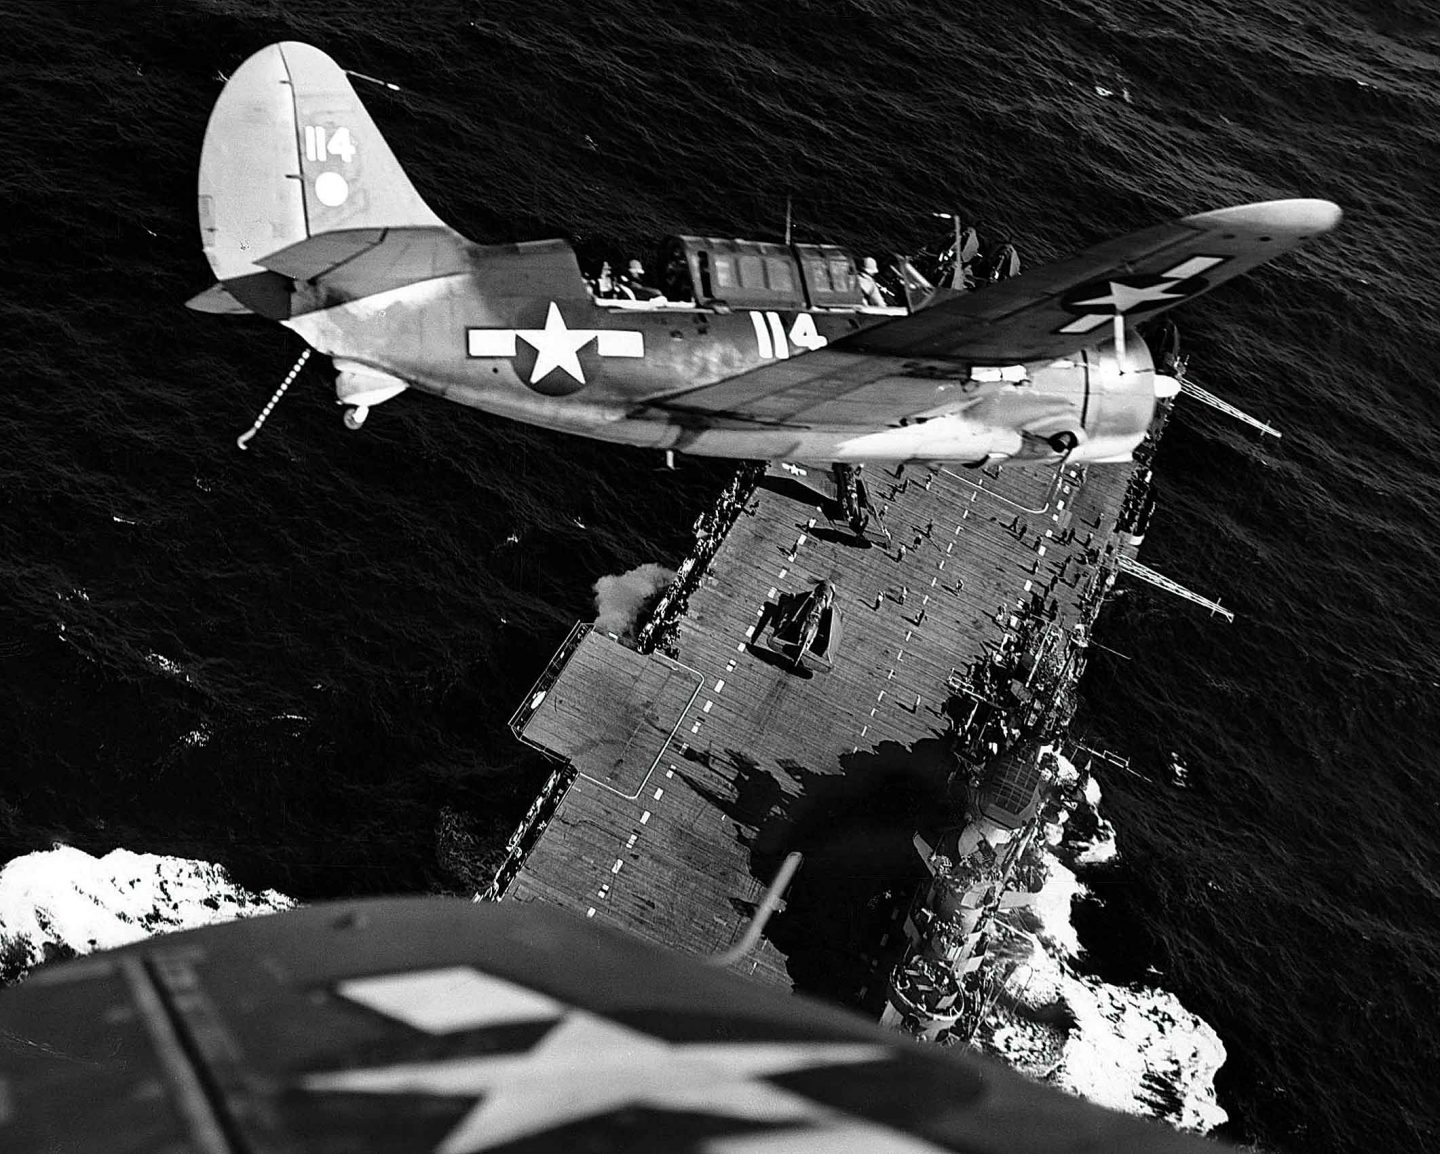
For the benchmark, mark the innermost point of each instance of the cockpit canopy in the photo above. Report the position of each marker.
(759, 274)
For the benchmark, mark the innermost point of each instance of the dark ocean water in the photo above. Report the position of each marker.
(299, 661)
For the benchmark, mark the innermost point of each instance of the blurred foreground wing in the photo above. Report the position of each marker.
(438, 1024)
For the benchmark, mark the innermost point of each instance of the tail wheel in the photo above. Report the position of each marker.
(1063, 442)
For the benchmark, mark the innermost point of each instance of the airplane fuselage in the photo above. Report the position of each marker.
(636, 375)
(769, 350)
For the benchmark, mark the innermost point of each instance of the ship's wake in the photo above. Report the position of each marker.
(1134, 1048)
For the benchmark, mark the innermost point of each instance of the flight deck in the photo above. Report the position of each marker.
(687, 776)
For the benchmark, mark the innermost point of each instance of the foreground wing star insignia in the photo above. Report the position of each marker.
(587, 1066)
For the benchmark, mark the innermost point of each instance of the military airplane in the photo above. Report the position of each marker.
(436, 1024)
(807, 628)
(746, 349)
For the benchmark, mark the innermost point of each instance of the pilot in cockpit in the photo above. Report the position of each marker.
(871, 291)
(632, 284)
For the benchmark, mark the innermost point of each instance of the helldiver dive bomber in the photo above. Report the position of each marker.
(745, 349)
(834, 630)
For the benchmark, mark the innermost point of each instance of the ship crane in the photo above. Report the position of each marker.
(1205, 397)
(1129, 565)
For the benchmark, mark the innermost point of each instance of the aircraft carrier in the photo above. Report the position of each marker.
(692, 760)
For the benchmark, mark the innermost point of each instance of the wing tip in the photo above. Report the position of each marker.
(1301, 216)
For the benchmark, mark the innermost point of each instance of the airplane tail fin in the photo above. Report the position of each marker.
(290, 153)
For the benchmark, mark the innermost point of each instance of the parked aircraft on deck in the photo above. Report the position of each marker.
(752, 349)
(807, 628)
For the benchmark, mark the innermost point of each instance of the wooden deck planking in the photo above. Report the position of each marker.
(756, 733)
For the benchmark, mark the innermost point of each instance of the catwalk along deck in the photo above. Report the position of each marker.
(687, 778)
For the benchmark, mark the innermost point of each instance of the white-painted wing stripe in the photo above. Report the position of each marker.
(448, 1000)
(1085, 324)
(1193, 267)
(620, 343)
(491, 342)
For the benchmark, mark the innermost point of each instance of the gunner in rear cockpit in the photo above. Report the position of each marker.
(604, 283)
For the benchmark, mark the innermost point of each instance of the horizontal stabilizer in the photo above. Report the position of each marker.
(216, 299)
(359, 262)
(1054, 310)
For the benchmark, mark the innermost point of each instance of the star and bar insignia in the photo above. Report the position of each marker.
(585, 1068)
(1100, 301)
(557, 350)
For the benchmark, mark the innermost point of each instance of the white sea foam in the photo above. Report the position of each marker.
(1101, 846)
(64, 900)
(1131, 1048)
(167, 665)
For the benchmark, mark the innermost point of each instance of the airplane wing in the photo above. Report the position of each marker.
(442, 1025)
(871, 377)
(1054, 310)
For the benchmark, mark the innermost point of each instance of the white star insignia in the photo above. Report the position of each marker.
(1123, 297)
(556, 345)
(588, 1066)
